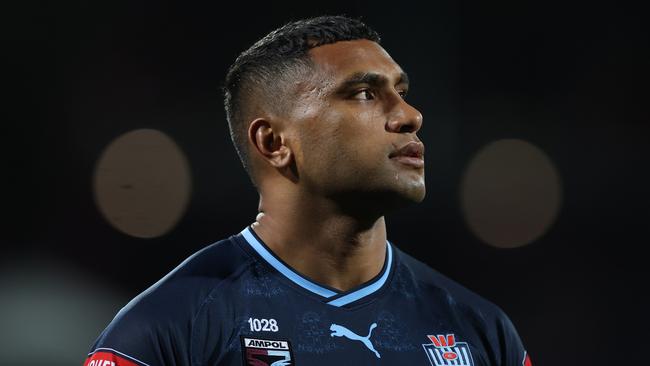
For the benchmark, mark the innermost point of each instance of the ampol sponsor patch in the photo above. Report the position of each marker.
(111, 357)
(266, 352)
(445, 351)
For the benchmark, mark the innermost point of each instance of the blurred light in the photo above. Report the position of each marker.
(510, 194)
(142, 183)
(51, 315)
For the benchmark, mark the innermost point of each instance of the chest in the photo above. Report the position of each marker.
(285, 330)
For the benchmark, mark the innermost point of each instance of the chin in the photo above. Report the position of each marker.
(414, 195)
(410, 187)
(404, 197)
(380, 201)
(412, 190)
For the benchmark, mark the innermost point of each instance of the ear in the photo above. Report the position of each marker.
(269, 143)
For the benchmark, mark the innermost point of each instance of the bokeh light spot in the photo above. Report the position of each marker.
(142, 183)
(50, 313)
(510, 193)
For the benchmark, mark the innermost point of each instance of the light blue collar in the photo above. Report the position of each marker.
(339, 298)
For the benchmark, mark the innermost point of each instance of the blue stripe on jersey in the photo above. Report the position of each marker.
(286, 271)
(367, 290)
(262, 250)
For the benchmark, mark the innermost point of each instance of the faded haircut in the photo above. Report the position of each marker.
(260, 75)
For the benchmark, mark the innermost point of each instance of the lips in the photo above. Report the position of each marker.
(411, 154)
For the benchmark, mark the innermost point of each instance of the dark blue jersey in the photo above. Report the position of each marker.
(236, 303)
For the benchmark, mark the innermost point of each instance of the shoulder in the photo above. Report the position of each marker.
(160, 319)
(187, 286)
(470, 309)
(433, 283)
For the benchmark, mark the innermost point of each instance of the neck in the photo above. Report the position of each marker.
(321, 241)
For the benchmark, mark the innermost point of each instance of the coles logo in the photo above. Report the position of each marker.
(110, 357)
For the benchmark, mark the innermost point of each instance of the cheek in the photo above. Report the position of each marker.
(362, 137)
(338, 144)
(365, 139)
(323, 150)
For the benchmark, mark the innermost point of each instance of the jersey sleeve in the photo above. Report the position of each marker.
(111, 357)
(142, 336)
(174, 322)
(513, 350)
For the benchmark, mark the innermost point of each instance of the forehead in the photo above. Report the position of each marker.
(336, 61)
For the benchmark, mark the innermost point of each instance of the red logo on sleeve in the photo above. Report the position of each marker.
(527, 361)
(104, 357)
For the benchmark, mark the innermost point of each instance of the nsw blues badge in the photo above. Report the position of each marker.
(444, 350)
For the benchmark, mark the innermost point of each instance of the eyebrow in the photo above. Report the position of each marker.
(370, 78)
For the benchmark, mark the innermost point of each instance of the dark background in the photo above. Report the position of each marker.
(569, 77)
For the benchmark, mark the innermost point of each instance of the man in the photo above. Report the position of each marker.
(318, 116)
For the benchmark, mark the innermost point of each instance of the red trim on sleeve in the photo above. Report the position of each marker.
(103, 358)
(527, 361)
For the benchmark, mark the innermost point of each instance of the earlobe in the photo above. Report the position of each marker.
(269, 143)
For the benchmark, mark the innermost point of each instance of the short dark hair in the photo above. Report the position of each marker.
(262, 70)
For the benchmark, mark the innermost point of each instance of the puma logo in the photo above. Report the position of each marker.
(341, 331)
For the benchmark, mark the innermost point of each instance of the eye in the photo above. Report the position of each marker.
(403, 93)
(363, 94)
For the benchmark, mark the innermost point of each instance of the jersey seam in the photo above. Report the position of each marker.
(114, 351)
(209, 298)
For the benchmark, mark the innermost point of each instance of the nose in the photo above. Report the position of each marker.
(404, 118)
